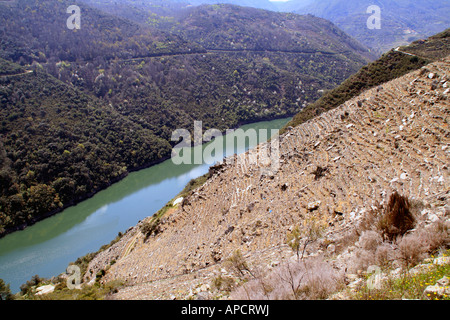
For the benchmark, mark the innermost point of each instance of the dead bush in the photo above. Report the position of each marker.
(365, 253)
(435, 236)
(384, 255)
(411, 250)
(414, 247)
(320, 280)
(360, 260)
(310, 279)
(397, 219)
(369, 221)
(369, 240)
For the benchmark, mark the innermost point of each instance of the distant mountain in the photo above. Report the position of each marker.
(237, 28)
(37, 32)
(82, 108)
(261, 4)
(402, 21)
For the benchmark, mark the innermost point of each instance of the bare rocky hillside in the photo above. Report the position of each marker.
(333, 168)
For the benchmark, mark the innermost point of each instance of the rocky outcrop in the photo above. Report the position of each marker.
(440, 290)
(334, 168)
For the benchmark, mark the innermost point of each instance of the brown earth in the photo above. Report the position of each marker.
(334, 167)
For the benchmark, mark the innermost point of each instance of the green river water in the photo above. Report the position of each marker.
(47, 247)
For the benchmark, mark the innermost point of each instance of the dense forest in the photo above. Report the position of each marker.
(59, 145)
(79, 109)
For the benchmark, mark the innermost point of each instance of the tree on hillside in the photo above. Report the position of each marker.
(5, 291)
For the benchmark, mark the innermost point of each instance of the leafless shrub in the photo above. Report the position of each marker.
(414, 247)
(310, 279)
(360, 260)
(435, 236)
(256, 289)
(369, 221)
(369, 240)
(384, 254)
(292, 275)
(411, 250)
(320, 280)
(365, 253)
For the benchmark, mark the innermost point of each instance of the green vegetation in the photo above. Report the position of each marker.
(8, 68)
(89, 292)
(5, 291)
(60, 146)
(95, 291)
(310, 230)
(406, 286)
(193, 184)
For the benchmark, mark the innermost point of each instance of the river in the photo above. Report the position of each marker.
(47, 247)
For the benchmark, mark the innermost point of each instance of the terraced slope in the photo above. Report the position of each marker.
(392, 137)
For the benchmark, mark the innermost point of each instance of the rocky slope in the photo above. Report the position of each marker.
(333, 168)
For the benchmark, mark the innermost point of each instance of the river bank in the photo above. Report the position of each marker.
(48, 246)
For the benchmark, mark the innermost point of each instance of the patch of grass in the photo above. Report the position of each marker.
(193, 184)
(407, 286)
(150, 227)
(94, 292)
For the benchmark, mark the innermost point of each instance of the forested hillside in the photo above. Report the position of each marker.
(82, 108)
(232, 27)
(59, 145)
